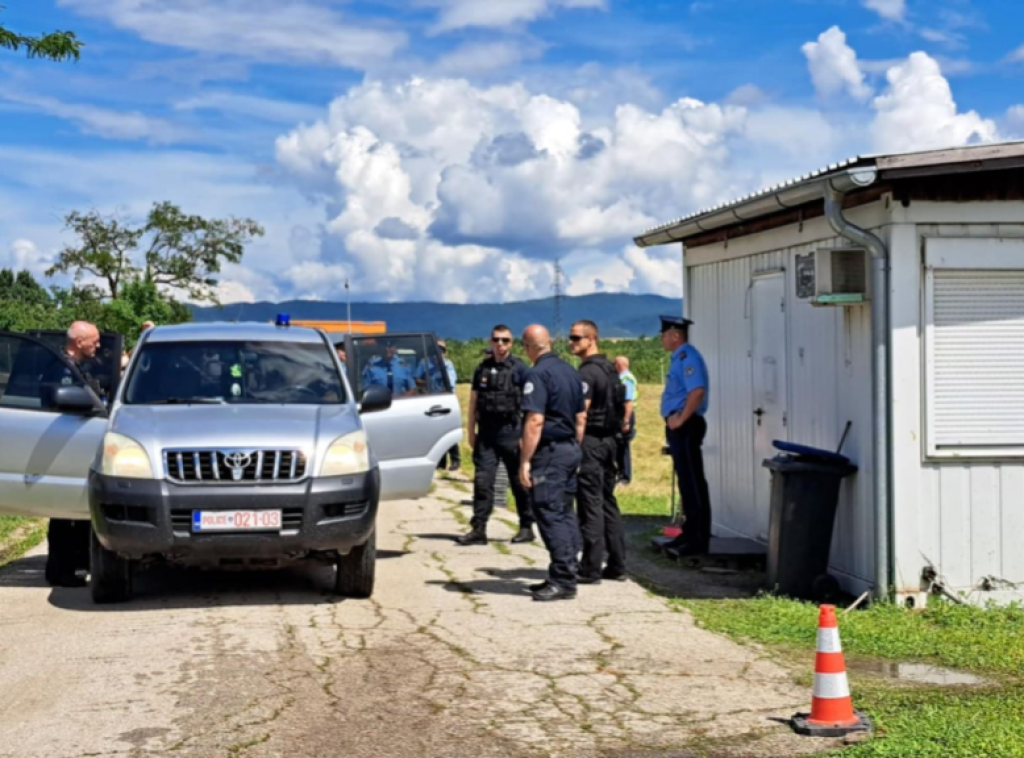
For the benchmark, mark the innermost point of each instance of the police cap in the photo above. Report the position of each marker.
(674, 322)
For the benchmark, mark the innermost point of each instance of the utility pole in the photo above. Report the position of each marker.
(557, 287)
(348, 296)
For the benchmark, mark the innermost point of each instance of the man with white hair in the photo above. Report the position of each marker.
(69, 540)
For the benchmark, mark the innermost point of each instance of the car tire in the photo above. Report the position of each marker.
(356, 571)
(110, 578)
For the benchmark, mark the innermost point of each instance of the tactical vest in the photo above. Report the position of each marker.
(607, 416)
(498, 396)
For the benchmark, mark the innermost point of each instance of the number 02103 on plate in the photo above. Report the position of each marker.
(236, 521)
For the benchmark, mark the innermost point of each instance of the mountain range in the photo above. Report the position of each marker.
(617, 315)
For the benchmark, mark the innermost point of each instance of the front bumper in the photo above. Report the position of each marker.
(153, 518)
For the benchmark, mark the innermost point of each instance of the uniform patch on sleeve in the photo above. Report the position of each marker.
(528, 388)
(586, 388)
(690, 371)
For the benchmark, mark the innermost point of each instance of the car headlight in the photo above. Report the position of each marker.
(125, 458)
(347, 455)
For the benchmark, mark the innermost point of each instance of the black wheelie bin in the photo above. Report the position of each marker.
(805, 494)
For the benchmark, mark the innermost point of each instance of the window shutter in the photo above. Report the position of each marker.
(977, 355)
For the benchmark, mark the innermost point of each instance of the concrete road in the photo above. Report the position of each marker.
(450, 658)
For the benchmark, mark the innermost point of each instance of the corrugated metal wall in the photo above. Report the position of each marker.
(829, 382)
(965, 518)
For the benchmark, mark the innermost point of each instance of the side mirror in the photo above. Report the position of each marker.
(375, 399)
(74, 400)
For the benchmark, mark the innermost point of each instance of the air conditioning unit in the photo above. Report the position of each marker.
(834, 276)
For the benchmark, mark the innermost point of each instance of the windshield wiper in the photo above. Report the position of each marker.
(190, 401)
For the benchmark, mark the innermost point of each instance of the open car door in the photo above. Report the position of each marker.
(45, 452)
(424, 419)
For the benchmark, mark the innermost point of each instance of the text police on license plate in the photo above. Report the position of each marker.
(236, 521)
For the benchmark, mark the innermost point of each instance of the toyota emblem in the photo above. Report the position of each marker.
(237, 460)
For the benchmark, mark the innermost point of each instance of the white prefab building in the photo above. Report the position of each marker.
(887, 292)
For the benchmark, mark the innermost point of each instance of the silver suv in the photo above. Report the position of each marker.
(227, 445)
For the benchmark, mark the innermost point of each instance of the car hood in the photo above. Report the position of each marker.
(305, 427)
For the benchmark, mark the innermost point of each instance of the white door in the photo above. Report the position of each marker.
(424, 419)
(769, 381)
(45, 454)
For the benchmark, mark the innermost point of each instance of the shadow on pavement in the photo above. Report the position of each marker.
(163, 587)
(669, 579)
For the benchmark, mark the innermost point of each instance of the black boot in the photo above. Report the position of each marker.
(478, 536)
(525, 535)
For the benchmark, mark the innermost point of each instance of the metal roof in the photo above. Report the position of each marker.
(788, 194)
(218, 331)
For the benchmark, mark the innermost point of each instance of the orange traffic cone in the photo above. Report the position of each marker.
(832, 713)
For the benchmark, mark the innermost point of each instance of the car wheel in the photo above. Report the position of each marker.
(110, 575)
(355, 571)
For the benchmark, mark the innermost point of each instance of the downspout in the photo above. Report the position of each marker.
(880, 368)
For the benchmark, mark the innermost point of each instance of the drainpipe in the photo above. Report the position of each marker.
(880, 369)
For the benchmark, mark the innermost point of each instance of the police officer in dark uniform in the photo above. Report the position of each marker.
(555, 416)
(69, 539)
(597, 509)
(495, 424)
(683, 405)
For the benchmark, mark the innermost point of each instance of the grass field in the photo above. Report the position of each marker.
(910, 719)
(17, 535)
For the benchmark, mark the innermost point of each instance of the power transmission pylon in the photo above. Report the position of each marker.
(557, 287)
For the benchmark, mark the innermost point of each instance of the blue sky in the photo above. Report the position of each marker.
(451, 149)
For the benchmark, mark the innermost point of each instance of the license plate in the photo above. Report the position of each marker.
(236, 521)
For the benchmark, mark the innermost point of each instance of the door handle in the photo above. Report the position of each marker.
(438, 410)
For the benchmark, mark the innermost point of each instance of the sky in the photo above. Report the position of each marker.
(452, 150)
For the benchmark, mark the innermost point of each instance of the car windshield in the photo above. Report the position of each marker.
(270, 373)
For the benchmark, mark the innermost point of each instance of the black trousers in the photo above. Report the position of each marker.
(454, 454)
(598, 510)
(625, 457)
(553, 471)
(492, 451)
(685, 445)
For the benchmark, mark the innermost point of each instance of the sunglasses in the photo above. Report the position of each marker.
(502, 340)
(443, 348)
(576, 337)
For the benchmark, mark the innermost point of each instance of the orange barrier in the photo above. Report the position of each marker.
(342, 327)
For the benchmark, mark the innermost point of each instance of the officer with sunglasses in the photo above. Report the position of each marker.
(495, 425)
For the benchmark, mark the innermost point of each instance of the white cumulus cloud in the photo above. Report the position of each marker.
(834, 67)
(441, 188)
(918, 111)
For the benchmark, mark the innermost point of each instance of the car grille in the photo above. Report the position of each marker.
(234, 466)
(181, 520)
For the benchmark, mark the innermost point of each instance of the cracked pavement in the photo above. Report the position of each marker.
(451, 657)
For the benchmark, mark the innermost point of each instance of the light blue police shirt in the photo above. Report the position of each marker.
(401, 378)
(686, 373)
(429, 367)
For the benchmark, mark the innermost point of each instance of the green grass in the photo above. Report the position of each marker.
(18, 535)
(637, 504)
(911, 720)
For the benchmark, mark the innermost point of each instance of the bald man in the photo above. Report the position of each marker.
(69, 540)
(553, 429)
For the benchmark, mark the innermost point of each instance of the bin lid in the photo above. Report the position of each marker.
(817, 453)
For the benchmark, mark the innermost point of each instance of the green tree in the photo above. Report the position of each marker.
(55, 46)
(171, 250)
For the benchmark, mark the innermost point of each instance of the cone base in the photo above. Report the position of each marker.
(802, 724)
